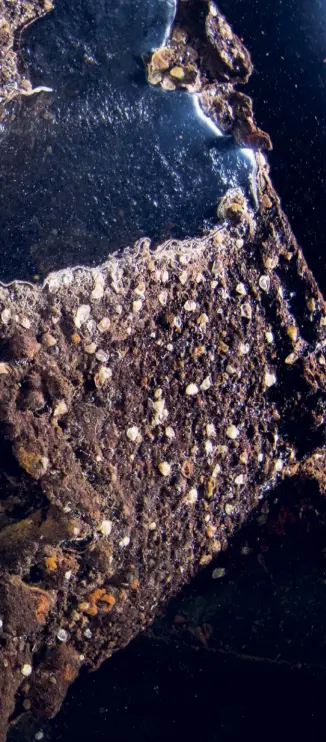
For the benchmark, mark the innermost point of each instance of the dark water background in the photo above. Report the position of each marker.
(106, 158)
(261, 676)
(287, 40)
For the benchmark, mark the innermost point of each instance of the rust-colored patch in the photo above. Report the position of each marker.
(109, 601)
(69, 673)
(99, 596)
(179, 619)
(32, 462)
(51, 563)
(42, 607)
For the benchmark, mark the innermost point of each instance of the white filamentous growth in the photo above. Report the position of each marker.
(173, 5)
(39, 89)
(195, 98)
(206, 119)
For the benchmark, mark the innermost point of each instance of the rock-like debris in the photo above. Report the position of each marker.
(15, 15)
(204, 56)
(147, 406)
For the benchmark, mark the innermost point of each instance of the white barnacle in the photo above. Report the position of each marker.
(192, 496)
(232, 432)
(104, 324)
(265, 283)
(191, 390)
(62, 635)
(206, 384)
(137, 306)
(208, 447)
(98, 290)
(270, 379)
(163, 298)
(183, 277)
(243, 349)
(82, 315)
(125, 541)
(164, 468)
(26, 670)
(133, 433)
(241, 289)
(211, 430)
(246, 310)
(105, 527)
(190, 306)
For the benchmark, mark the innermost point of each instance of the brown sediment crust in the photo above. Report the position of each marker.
(146, 408)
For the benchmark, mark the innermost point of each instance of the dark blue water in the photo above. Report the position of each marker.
(287, 41)
(105, 159)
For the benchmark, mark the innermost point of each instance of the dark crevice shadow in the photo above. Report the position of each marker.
(229, 653)
(20, 496)
(287, 40)
(269, 601)
(106, 158)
